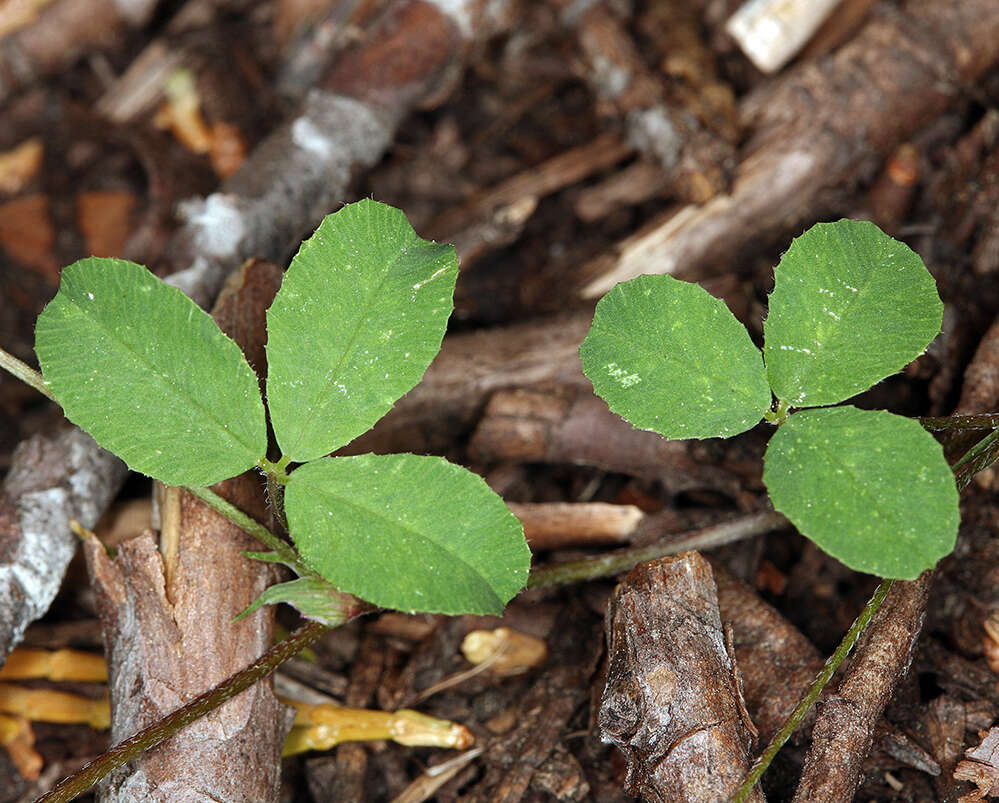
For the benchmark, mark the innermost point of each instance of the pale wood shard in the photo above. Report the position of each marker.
(548, 525)
(771, 32)
(673, 703)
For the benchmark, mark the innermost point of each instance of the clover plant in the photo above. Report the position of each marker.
(360, 315)
(850, 306)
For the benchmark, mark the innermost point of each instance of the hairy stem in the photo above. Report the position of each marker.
(943, 422)
(125, 751)
(24, 372)
(831, 665)
(622, 560)
(978, 458)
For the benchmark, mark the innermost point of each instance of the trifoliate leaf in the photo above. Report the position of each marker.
(150, 375)
(669, 357)
(869, 487)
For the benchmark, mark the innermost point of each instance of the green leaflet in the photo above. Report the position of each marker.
(313, 598)
(850, 306)
(359, 317)
(669, 357)
(869, 487)
(150, 375)
(407, 532)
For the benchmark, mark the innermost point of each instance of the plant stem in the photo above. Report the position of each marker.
(254, 528)
(830, 667)
(979, 457)
(275, 498)
(24, 372)
(276, 470)
(622, 560)
(982, 421)
(81, 781)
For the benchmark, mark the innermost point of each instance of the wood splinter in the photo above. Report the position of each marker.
(673, 700)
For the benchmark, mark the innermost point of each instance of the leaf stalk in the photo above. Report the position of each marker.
(24, 372)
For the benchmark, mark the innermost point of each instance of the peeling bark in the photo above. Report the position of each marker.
(52, 480)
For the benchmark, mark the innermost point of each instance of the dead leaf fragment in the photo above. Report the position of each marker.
(28, 236)
(104, 220)
(982, 769)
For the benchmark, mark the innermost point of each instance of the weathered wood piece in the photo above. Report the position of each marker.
(53, 35)
(51, 480)
(695, 161)
(673, 703)
(817, 130)
(534, 426)
(168, 624)
(548, 525)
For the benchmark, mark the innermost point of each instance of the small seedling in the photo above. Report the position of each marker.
(850, 306)
(360, 315)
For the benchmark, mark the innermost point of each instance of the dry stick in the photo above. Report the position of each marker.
(623, 560)
(59, 33)
(844, 729)
(52, 480)
(818, 129)
(81, 781)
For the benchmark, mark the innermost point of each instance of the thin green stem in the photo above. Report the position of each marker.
(622, 560)
(978, 458)
(254, 528)
(125, 751)
(24, 372)
(831, 665)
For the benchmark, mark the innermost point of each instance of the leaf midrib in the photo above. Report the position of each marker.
(373, 514)
(330, 378)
